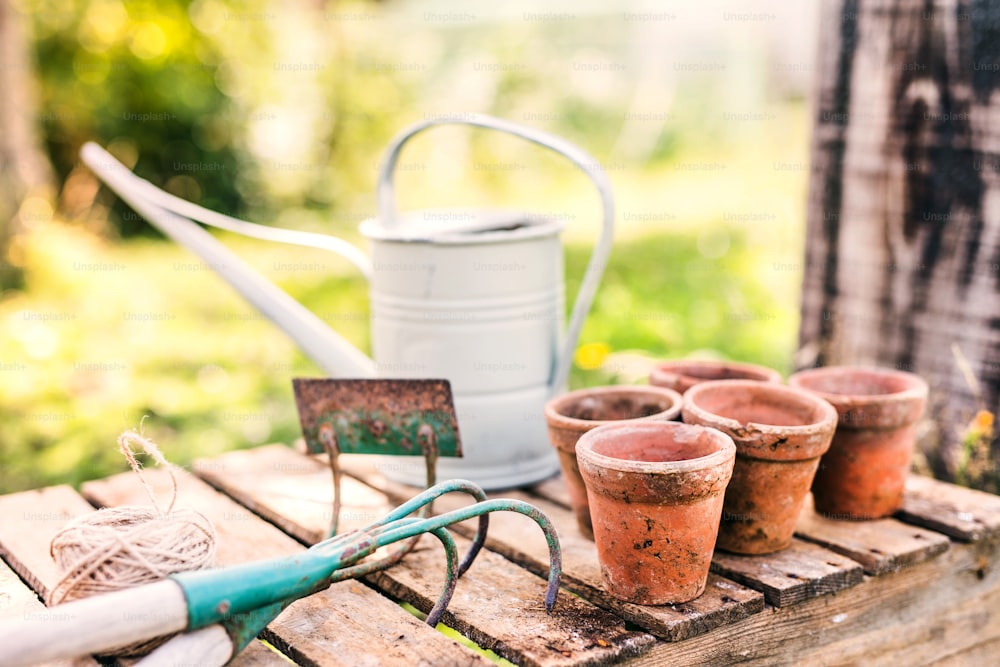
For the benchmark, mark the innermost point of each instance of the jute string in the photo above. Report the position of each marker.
(121, 547)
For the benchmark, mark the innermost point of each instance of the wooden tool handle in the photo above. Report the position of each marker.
(209, 646)
(93, 625)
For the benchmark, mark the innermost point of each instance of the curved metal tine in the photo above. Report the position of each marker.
(451, 576)
(329, 442)
(424, 500)
(403, 530)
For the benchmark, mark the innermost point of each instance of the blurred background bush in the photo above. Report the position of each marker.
(278, 112)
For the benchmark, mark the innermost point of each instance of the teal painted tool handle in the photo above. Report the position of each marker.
(215, 595)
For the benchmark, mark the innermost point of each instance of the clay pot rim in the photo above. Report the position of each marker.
(559, 420)
(917, 387)
(827, 423)
(677, 367)
(726, 452)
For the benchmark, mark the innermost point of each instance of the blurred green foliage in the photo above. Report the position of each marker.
(106, 334)
(280, 114)
(136, 76)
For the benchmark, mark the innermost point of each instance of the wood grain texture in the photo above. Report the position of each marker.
(29, 521)
(553, 489)
(358, 627)
(984, 653)
(903, 243)
(497, 604)
(881, 546)
(964, 514)
(519, 539)
(292, 491)
(16, 599)
(802, 571)
(917, 616)
(370, 624)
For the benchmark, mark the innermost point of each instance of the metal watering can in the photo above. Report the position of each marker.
(473, 296)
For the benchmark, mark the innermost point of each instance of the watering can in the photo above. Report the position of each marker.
(472, 296)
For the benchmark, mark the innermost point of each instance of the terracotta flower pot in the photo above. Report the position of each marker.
(780, 433)
(682, 374)
(864, 473)
(655, 490)
(571, 415)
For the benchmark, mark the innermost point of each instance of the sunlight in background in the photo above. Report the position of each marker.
(280, 112)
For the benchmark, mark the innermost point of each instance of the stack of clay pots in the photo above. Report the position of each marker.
(658, 495)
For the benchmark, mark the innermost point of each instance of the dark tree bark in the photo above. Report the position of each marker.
(903, 244)
(24, 167)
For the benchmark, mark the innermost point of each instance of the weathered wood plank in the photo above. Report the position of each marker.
(553, 489)
(497, 604)
(292, 491)
(30, 520)
(802, 571)
(16, 599)
(881, 546)
(518, 539)
(347, 610)
(256, 654)
(919, 615)
(17, 602)
(350, 631)
(576, 633)
(984, 653)
(964, 514)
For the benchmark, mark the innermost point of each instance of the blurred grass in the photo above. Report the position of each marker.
(105, 331)
(108, 332)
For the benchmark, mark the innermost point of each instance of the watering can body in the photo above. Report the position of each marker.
(484, 310)
(474, 297)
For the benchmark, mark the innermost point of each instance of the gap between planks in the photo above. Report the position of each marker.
(519, 540)
(347, 624)
(31, 520)
(497, 604)
(881, 546)
(958, 512)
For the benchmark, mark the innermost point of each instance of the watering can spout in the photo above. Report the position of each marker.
(329, 350)
(474, 297)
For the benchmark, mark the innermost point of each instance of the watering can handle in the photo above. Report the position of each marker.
(599, 257)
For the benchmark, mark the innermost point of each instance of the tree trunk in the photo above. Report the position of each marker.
(24, 166)
(903, 244)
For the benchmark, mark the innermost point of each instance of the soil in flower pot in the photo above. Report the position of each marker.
(863, 475)
(655, 490)
(780, 434)
(571, 415)
(682, 374)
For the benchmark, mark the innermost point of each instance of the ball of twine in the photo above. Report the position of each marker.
(121, 547)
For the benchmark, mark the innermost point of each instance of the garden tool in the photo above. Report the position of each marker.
(235, 603)
(388, 417)
(474, 296)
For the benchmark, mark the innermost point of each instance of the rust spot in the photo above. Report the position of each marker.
(376, 427)
(983, 566)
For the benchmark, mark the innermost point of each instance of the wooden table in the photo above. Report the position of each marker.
(919, 588)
